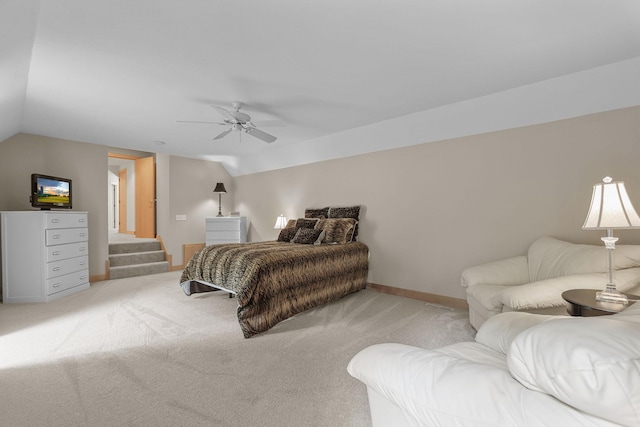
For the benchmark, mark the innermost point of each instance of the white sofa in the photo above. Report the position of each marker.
(523, 370)
(534, 282)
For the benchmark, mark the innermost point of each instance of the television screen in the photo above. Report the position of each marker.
(50, 192)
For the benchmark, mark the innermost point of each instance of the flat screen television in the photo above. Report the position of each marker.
(50, 192)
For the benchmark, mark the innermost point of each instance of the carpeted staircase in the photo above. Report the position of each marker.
(136, 259)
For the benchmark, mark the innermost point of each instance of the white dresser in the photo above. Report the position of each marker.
(225, 229)
(45, 254)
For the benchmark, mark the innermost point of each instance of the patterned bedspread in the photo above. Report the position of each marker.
(276, 280)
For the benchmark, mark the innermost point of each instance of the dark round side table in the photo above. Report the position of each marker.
(582, 302)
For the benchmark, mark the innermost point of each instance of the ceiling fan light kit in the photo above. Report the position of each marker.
(238, 122)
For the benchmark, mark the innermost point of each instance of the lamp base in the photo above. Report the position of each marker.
(219, 214)
(612, 295)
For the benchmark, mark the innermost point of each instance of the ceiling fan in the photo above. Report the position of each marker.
(237, 121)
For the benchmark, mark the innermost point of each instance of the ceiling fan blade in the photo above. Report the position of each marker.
(194, 121)
(223, 134)
(261, 135)
(226, 114)
(269, 123)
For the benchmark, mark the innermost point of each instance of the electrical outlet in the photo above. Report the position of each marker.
(181, 217)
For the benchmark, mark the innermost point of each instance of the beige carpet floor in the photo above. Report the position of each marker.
(138, 352)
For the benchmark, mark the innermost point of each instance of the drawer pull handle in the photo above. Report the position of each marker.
(56, 236)
(81, 220)
(55, 253)
(56, 268)
(54, 220)
(83, 277)
(82, 234)
(57, 285)
(81, 249)
(83, 263)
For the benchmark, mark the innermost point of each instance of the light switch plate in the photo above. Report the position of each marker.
(181, 217)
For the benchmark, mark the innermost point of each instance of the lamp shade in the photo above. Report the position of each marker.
(611, 207)
(219, 188)
(281, 222)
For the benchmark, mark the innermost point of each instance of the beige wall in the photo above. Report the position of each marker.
(85, 164)
(190, 192)
(184, 186)
(428, 210)
(433, 209)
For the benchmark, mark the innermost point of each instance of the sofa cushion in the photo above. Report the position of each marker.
(549, 258)
(592, 364)
(499, 331)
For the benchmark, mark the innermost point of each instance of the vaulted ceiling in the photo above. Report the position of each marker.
(337, 77)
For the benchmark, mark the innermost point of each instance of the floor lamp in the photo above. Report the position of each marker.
(219, 189)
(610, 208)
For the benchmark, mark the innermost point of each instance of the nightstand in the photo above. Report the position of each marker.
(226, 229)
(582, 302)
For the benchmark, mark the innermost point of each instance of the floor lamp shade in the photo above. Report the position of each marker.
(219, 189)
(610, 208)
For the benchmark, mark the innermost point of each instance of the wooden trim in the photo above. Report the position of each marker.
(188, 250)
(167, 255)
(101, 277)
(122, 156)
(98, 278)
(421, 296)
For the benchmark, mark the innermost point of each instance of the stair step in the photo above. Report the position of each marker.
(118, 260)
(133, 247)
(138, 269)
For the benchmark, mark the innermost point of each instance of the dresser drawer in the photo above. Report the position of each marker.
(56, 253)
(66, 266)
(66, 220)
(229, 236)
(58, 284)
(66, 235)
(223, 225)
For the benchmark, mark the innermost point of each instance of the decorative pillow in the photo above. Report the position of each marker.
(320, 213)
(347, 212)
(306, 222)
(291, 223)
(337, 230)
(308, 236)
(287, 234)
(590, 363)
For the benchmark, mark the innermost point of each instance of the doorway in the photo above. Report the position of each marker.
(131, 197)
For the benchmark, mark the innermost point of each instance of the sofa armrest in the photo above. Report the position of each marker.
(438, 389)
(426, 385)
(548, 293)
(510, 271)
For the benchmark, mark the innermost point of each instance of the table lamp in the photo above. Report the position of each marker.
(610, 208)
(281, 222)
(219, 189)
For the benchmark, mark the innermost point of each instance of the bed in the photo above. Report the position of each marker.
(316, 259)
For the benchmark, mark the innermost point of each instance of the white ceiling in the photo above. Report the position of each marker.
(121, 73)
